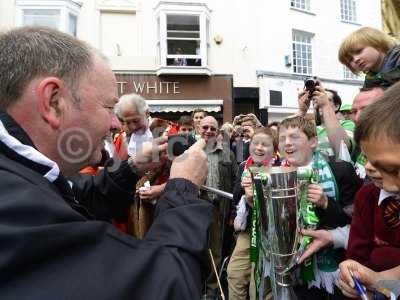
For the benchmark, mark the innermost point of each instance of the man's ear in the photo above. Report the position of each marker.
(313, 142)
(50, 94)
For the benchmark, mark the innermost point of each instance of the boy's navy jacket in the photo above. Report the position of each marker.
(53, 244)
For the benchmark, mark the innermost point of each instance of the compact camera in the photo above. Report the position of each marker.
(310, 84)
(179, 143)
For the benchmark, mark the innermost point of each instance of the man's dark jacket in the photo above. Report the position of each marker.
(50, 249)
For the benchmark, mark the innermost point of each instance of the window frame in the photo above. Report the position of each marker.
(66, 8)
(351, 10)
(307, 5)
(162, 37)
(294, 57)
(348, 75)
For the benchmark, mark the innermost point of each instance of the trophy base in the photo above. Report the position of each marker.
(285, 293)
(283, 280)
(284, 289)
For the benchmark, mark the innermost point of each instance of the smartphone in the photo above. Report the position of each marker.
(179, 143)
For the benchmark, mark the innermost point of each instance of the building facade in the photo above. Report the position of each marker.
(227, 57)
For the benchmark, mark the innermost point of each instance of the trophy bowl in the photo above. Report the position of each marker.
(283, 215)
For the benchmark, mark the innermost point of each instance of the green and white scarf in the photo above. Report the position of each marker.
(325, 267)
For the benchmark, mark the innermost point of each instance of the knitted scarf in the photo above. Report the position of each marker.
(325, 266)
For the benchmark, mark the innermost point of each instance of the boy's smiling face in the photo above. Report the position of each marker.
(383, 154)
(261, 147)
(295, 146)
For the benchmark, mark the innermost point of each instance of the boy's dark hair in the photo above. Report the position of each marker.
(158, 126)
(381, 118)
(307, 126)
(197, 110)
(275, 123)
(185, 121)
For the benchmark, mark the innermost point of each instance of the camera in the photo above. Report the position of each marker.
(179, 143)
(310, 84)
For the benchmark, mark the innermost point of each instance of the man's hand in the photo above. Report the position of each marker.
(248, 189)
(192, 164)
(317, 196)
(346, 283)
(151, 156)
(248, 131)
(320, 240)
(151, 193)
(303, 100)
(320, 97)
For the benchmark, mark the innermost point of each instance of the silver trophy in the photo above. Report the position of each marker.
(277, 188)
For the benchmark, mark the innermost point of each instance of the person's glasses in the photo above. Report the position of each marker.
(206, 127)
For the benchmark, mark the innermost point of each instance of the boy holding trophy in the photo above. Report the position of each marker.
(330, 198)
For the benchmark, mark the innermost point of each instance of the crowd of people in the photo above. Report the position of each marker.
(95, 203)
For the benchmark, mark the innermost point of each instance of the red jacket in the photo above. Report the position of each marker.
(371, 242)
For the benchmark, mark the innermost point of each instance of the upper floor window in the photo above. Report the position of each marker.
(302, 52)
(41, 17)
(348, 10)
(183, 38)
(300, 4)
(58, 14)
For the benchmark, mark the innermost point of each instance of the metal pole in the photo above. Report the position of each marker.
(217, 191)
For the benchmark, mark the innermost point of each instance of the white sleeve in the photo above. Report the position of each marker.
(340, 236)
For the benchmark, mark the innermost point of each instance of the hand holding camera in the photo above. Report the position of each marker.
(192, 164)
(313, 91)
(303, 100)
(320, 97)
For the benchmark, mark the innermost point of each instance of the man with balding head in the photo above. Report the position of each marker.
(222, 169)
(222, 163)
(134, 113)
(365, 97)
(57, 96)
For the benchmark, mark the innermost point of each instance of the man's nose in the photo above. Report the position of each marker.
(115, 123)
(357, 116)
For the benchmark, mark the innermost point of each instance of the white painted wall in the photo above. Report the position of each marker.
(7, 14)
(256, 37)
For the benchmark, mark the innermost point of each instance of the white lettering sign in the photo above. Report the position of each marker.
(147, 87)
